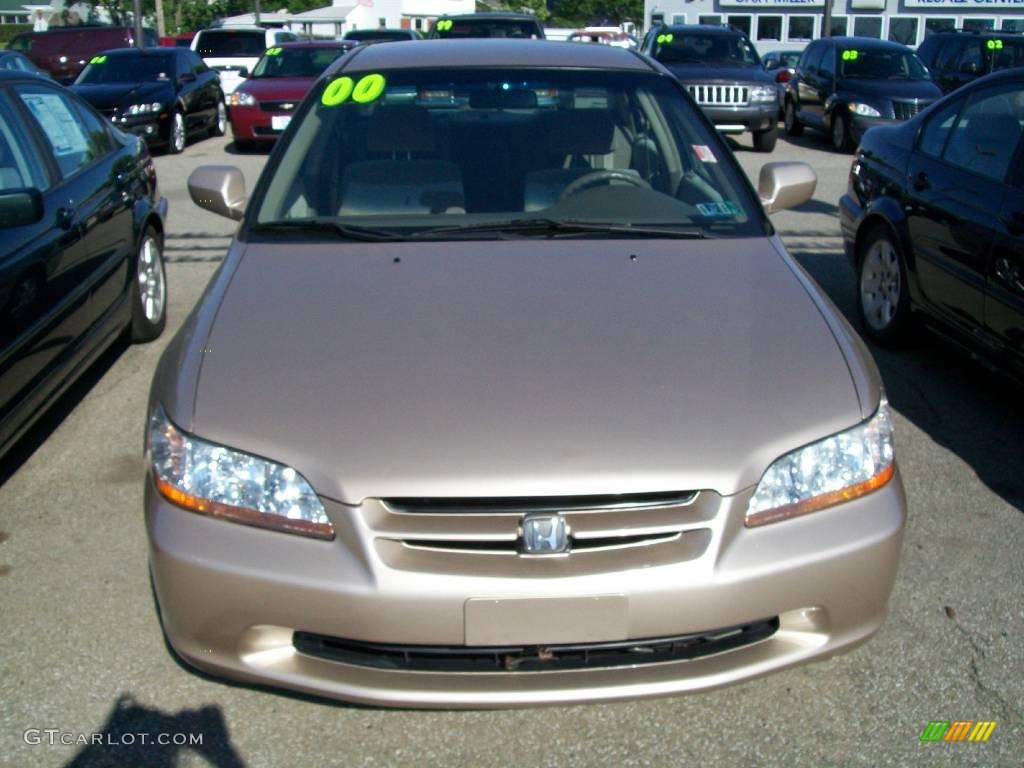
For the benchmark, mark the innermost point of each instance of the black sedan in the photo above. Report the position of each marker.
(933, 221)
(165, 95)
(81, 239)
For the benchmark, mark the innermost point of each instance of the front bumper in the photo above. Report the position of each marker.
(154, 129)
(253, 124)
(755, 117)
(860, 124)
(232, 598)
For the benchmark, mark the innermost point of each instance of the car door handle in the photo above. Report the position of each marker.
(66, 216)
(1015, 222)
(920, 182)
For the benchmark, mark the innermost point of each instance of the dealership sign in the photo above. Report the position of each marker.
(777, 3)
(964, 4)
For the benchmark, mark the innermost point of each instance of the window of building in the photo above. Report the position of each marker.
(678, 18)
(657, 18)
(1013, 25)
(979, 25)
(713, 20)
(769, 28)
(801, 28)
(938, 24)
(867, 26)
(418, 23)
(838, 26)
(741, 23)
(903, 29)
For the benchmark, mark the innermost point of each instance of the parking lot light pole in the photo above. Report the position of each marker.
(826, 23)
(137, 13)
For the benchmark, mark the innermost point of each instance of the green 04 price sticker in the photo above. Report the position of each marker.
(368, 88)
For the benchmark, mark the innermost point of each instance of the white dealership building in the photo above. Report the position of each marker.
(791, 24)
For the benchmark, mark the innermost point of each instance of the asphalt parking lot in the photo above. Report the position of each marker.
(82, 652)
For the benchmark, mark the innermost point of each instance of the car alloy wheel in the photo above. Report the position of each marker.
(220, 125)
(177, 138)
(882, 299)
(149, 291)
(840, 132)
(793, 125)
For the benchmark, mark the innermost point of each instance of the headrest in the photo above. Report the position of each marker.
(579, 132)
(514, 98)
(401, 128)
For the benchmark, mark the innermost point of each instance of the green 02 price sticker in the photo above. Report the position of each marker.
(367, 89)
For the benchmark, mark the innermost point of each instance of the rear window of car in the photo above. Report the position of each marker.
(295, 62)
(487, 28)
(418, 152)
(700, 48)
(228, 43)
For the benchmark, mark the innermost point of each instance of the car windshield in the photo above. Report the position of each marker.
(140, 68)
(704, 48)
(1006, 52)
(882, 64)
(295, 62)
(485, 28)
(481, 154)
(229, 43)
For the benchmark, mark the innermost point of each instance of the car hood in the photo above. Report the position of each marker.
(705, 73)
(113, 95)
(890, 89)
(521, 368)
(278, 87)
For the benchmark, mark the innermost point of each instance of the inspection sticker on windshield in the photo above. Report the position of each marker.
(718, 210)
(704, 153)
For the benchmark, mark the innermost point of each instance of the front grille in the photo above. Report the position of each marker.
(522, 658)
(521, 505)
(279, 106)
(907, 109)
(720, 95)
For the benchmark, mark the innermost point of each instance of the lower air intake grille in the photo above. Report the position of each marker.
(518, 658)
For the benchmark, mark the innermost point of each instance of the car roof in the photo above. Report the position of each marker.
(315, 44)
(865, 42)
(703, 28)
(492, 16)
(152, 50)
(489, 52)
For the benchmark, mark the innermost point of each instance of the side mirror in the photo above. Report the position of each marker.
(785, 185)
(219, 189)
(20, 207)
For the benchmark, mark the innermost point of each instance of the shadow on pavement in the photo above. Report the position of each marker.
(962, 405)
(134, 735)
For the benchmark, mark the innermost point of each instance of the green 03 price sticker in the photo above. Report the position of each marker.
(367, 89)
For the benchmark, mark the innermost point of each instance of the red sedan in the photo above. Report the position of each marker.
(262, 106)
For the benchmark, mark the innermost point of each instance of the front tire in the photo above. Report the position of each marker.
(220, 119)
(176, 140)
(764, 141)
(883, 297)
(793, 125)
(841, 141)
(149, 289)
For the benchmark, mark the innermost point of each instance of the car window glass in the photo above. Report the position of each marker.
(131, 68)
(76, 137)
(970, 59)
(702, 48)
(938, 128)
(419, 149)
(949, 53)
(826, 67)
(812, 58)
(20, 167)
(987, 133)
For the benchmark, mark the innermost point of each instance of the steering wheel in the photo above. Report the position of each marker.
(602, 176)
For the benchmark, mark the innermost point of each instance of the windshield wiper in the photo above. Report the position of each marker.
(557, 228)
(327, 226)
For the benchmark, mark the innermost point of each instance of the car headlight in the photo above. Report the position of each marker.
(214, 480)
(764, 93)
(828, 472)
(243, 99)
(864, 110)
(144, 109)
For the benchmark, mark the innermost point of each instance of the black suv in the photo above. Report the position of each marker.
(488, 25)
(845, 85)
(957, 57)
(723, 73)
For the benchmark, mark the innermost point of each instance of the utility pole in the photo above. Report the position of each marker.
(826, 23)
(161, 28)
(137, 13)
(257, 12)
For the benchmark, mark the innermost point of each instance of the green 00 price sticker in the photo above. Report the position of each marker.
(368, 88)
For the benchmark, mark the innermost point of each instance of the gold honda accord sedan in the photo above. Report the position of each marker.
(508, 393)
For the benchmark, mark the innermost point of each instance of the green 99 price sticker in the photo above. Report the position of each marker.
(367, 89)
